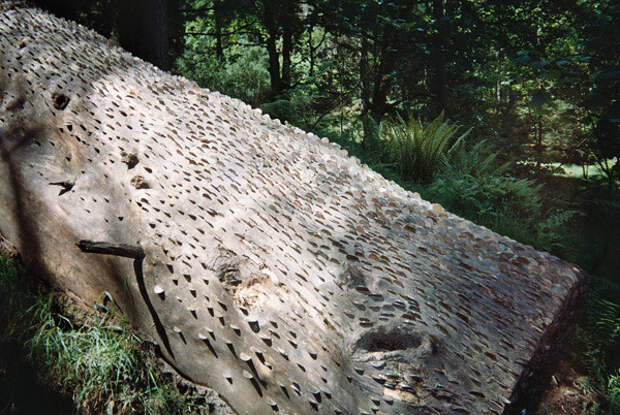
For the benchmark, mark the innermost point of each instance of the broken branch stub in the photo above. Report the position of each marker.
(266, 263)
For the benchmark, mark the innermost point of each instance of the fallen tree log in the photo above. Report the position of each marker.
(263, 261)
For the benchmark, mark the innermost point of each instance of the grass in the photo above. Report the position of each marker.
(577, 171)
(58, 359)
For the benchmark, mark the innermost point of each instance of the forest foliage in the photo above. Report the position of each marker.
(505, 112)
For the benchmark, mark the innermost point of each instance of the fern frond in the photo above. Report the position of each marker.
(421, 151)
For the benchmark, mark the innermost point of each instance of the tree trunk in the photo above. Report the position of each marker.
(143, 30)
(374, 104)
(539, 144)
(287, 49)
(365, 86)
(271, 41)
(311, 50)
(383, 78)
(261, 260)
(176, 31)
(219, 49)
(439, 58)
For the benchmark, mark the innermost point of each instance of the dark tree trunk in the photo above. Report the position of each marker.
(287, 48)
(176, 31)
(439, 58)
(292, 28)
(272, 37)
(383, 79)
(375, 86)
(143, 30)
(365, 93)
(507, 115)
(274, 67)
(311, 49)
(62, 8)
(219, 49)
(539, 143)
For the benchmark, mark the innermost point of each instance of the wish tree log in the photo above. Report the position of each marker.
(264, 262)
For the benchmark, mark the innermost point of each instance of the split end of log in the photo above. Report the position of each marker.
(107, 248)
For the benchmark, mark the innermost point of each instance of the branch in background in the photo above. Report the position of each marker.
(256, 33)
(238, 31)
(247, 44)
(568, 150)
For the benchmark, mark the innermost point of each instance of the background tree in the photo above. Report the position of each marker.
(140, 26)
(143, 29)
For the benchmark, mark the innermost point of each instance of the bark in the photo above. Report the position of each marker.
(383, 79)
(292, 28)
(271, 41)
(539, 148)
(364, 70)
(143, 30)
(375, 85)
(176, 31)
(287, 48)
(219, 49)
(261, 260)
(311, 50)
(439, 59)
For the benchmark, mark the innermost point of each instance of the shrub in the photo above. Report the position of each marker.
(599, 330)
(244, 76)
(603, 319)
(613, 391)
(472, 184)
(419, 151)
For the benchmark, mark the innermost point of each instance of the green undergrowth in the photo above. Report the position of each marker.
(600, 333)
(437, 161)
(58, 359)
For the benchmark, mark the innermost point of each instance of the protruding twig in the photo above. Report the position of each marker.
(137, 253)
(107, 248)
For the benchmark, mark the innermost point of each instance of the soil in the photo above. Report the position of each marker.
(571, 390)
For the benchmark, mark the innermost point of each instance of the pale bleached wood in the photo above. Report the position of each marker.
(265, 262)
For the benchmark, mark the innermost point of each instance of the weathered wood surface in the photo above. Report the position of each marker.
(270, 266)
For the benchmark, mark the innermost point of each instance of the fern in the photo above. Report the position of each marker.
(603, 318)
(600, 332)
(420, 152)
(548, 230)
(613, 393)
(473, 184)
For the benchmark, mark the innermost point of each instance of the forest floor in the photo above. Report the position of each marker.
(58, 358)
(571, 389)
